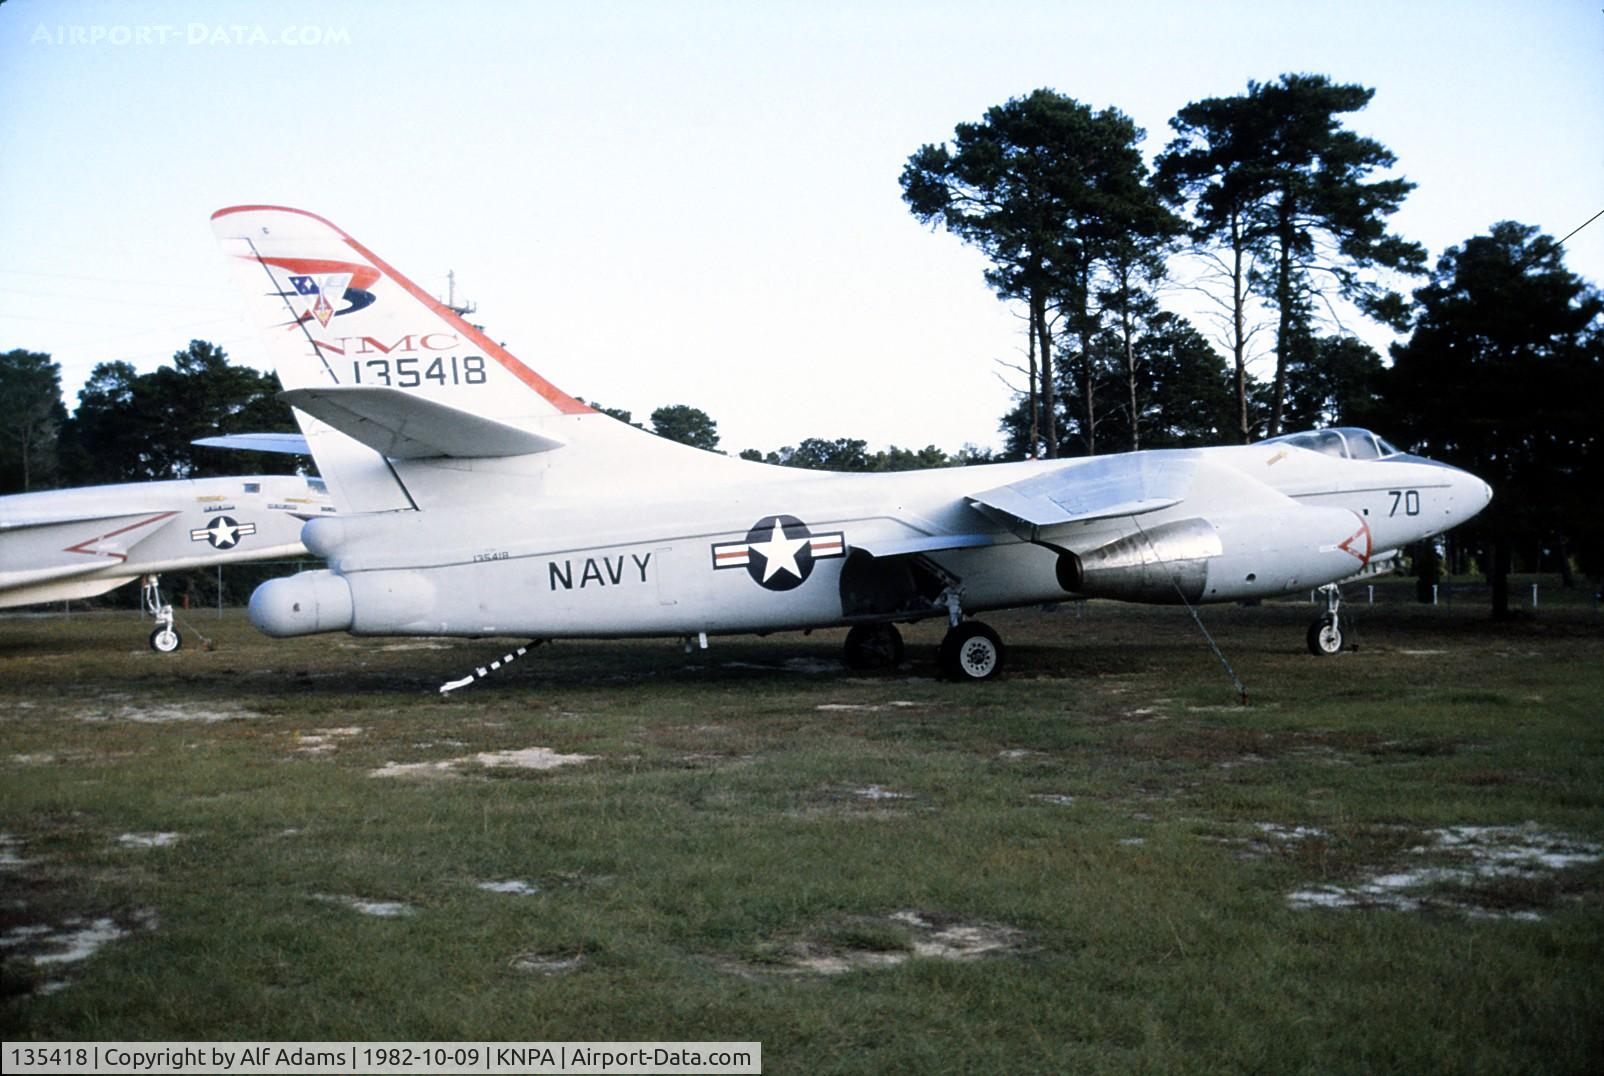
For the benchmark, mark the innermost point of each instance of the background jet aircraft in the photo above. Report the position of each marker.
(489, 502)
(62, 544)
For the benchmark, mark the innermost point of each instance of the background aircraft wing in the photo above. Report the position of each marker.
(36, 550)
(290, 444)
(1098, 488)
(121, 530)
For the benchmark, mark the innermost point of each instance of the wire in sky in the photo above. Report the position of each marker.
(1582, 225)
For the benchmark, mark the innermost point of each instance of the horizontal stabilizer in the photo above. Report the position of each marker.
(1101, 488)
(289, 444)
(934, 543)
(400, 425)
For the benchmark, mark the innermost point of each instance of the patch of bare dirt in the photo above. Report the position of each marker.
(1509, 872)
(174, 712)
(874, 943)
(546, 963)
(866, 707)
(324, 741)
(379, 909)
(528, 758)
(38, 956)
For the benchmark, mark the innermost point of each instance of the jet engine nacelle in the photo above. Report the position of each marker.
(1223, 559)
(363, 603)
(302, 605)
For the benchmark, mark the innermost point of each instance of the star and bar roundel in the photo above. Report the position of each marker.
(779, 552)
(222, 532)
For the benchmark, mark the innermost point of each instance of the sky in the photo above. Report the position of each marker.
(663, 203)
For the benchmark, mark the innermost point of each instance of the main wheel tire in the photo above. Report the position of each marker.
(1324, 638)
(873, 646)
(972, 652)
(165, 640)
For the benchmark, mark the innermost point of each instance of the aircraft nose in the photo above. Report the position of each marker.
(1476, 490)
(1471, 495)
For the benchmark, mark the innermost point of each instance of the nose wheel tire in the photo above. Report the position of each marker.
(873, 646)
(165, 640)
(971, 652)
(1325, 637)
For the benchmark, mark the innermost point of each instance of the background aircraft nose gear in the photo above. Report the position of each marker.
(1325, 634)
(165, 639)
(972, 651)
(873, 646)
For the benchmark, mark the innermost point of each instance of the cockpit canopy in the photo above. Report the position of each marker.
(1344, 442)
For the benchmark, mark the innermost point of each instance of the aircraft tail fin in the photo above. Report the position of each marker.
(406, 406)
(335, 316)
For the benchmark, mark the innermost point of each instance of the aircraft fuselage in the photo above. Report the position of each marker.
(796, 550)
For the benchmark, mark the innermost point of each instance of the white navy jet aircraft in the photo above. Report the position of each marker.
(478, 499)
(64, 544)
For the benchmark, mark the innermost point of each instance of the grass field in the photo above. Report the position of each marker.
(1390, 860)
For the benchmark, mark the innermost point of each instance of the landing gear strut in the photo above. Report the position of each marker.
(970, 650)
(873, 646)
(165, 639)
(1325, 634)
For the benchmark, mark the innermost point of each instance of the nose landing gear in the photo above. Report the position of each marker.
(165, 639)
(1325, 634)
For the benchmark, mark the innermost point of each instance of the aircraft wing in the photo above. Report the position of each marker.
(404, 426)
(36, 549)
(119, 529)
(931, 543)
(289, 444)
(1102, 487)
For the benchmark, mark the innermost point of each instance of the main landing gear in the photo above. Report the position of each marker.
(1325, 634)
(970, 651)
(873, 646)
(165, 639)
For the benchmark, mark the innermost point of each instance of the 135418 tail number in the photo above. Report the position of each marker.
(411, 373)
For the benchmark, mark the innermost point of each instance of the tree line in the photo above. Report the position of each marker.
(692, 426)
